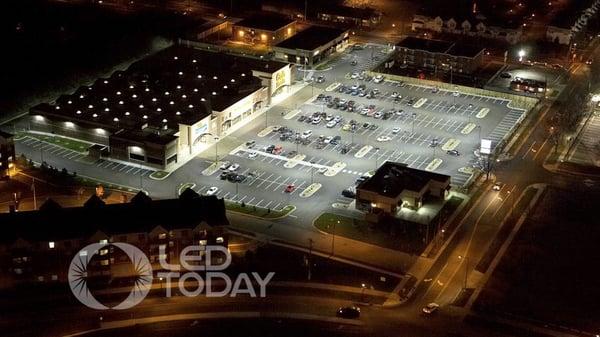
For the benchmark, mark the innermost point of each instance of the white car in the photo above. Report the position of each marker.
(224, 165)
(327, 139)
(234, 167)
(378, 79)
(276, 128)
(395, 130)
(431, 308)
(331, 124)
(252, 154)
(354, 75)
(329, 118)
(323, 169)
(212, 191)
(456, 94)
(337, 119)
(306, 134)
(378, 115)
(383, 139)
(394, 94)
(316, 120)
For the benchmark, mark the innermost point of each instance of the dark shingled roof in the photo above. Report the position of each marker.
(392, 178)
(311, 38)
(55, 223)
(265, 22)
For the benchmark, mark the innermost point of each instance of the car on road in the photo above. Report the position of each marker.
(212, 191)
(250, 144)
(290, 188)
(383, 139)
(395, 130)
(252, 154)
(453, 153)
(497, 186)
(378, 79)
(348, 312)
(234, 167)
(224, 165)
(320, 79)
(430, 308)
(306, 134)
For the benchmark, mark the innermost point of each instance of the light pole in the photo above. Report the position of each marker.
(312, 172)
(466, 261)
(216, 139)
(376, 157)
(362, 292)
(470, 111)
(414, 116)
(333, 238)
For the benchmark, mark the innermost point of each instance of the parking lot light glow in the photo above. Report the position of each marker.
(521, 54)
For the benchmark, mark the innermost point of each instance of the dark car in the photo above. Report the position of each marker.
(348, 194)
(335, 140)
(223, 175)
(505, 75)
(348, 312)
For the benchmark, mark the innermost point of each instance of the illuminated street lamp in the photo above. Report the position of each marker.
(521, 55)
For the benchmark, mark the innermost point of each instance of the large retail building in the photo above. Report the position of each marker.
(166, 108)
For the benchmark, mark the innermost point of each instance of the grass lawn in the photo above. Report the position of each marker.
(259, 211)
(394, 233)
(61, 141)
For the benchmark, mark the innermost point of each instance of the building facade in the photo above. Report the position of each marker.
(395, 185)
(312, 45)
(167, 108)
(263, 29)
(437, 55)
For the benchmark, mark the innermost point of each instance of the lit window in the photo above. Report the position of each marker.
(104, 241)
(78, 112)
(220, 239)
(104, 263)
(162, 235)
(202, 242)
(115, 119)
(214, 93)
(83, 253)
(103, 251)
(51, 244)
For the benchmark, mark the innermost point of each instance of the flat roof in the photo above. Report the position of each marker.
(311, 38)
(392, 178)
(265, 22)
(465, 49)
(434, 46)
(175, 86)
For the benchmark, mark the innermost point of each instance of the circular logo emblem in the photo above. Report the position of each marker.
(78, 275)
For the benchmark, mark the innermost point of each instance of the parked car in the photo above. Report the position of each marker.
(290, 188)
(212, 191)
(252, 154)
(378, 79)
(224, 165)
(395, 130)
(497, 186)
(453, 153)
(234, 167)
(277, 150)
(250, 144)
(306, 134)
(431, 308)
(348, 194)
(383, 139)
(320, 79)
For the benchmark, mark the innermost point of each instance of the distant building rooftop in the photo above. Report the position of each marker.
(433, 46)
(265, 22)
(392, 178)
(142, 214)
(440, 46)
(365, 13)
(311, 38)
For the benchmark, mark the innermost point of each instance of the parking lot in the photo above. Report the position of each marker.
(357, 130)
(348, 127)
